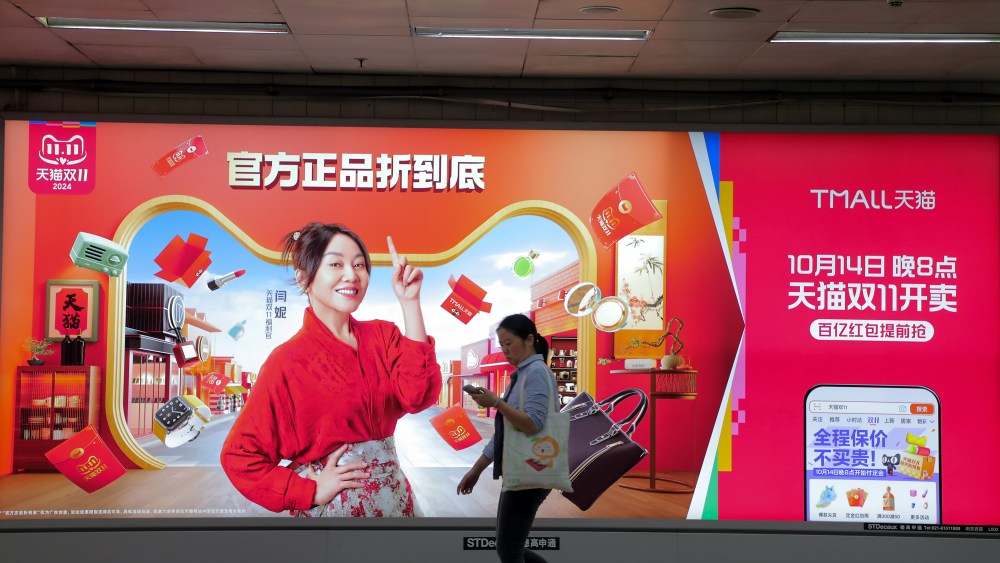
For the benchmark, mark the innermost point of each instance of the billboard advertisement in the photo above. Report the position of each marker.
(810, 319)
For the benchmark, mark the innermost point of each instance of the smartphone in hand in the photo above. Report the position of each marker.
(471, 389)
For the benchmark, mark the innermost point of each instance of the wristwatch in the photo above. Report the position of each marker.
(180, 420)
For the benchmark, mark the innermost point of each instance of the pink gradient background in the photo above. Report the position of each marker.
(772, 176)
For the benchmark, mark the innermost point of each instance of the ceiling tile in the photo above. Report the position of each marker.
(479, 47)
(770, 10)
(685, 67)
(782, 51)
(630, 9)
(111, 56)
(12, 16)
(979, 68)
(252, 41)
(851, 11)
(120, 37)
(602, 24)
(234, 11)
(473, 8)
(984, 13)
(359, 20)
(555, 65)
(31, 6)
(329, 52)
(329, 34)
(37, 46)
(594, 48)
(257, 60)
(917, 60)
(699, 48)
(101, 9)
(488, 23)
(458, 62)
(218, 16)
(801, 63)
(714, 30)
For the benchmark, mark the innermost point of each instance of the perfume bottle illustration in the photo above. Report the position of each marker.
(524, 266)
(238, 329)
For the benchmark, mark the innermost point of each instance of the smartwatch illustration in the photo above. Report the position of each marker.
(180, 420)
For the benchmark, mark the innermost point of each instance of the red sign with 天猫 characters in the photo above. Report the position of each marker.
(72, 311)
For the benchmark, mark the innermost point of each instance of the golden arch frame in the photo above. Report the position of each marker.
(130, 225)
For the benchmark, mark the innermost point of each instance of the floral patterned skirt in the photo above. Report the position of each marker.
(385, 493)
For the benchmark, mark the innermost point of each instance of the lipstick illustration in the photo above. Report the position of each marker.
(221, 281)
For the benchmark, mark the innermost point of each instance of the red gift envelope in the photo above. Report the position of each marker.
(456, 428)
(181, 154)
(86, 460)
(183, 262)
(621, 211)
(215, 382)
(466, 299)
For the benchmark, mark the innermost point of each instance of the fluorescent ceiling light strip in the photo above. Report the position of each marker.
(152, 25)
(578, 34)
(863, 37)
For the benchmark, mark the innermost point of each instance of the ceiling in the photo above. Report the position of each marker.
(374, 37)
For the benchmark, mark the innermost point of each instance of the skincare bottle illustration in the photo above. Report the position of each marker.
(238, 329)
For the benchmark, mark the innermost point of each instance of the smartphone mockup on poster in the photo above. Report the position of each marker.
(873, 454)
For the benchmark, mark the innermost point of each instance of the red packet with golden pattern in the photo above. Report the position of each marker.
(455, 426)
(621, 211)
(86, 460)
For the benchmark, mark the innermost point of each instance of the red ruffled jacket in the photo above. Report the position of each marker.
(315, 393)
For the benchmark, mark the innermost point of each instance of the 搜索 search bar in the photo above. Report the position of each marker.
(869, 407)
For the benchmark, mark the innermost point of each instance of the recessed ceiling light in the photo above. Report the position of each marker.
(733, 13)
(864, 37)
(159, 25)
(578, 34)
(600, 9)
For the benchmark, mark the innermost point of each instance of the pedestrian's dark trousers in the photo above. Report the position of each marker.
(515, 514)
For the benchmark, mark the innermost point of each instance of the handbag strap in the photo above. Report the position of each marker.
(632, 420)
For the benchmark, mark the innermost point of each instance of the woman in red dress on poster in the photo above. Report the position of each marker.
(329, 398)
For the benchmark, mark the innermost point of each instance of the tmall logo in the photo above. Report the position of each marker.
(62, 157)
(65, 153)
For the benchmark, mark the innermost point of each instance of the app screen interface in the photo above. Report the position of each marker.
(873, 454)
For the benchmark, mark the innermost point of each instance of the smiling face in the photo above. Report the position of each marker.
(341, 279)
(515, 348)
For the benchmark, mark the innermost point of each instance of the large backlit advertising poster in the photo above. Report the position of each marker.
(814, 316)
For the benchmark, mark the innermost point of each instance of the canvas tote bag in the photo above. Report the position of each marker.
(540, 461)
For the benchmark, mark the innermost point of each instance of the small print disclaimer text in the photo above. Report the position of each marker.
(475, 543)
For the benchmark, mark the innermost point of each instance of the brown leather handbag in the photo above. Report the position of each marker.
(601, 449)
